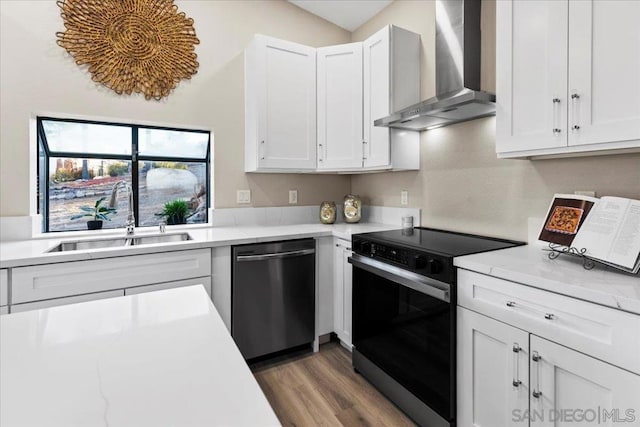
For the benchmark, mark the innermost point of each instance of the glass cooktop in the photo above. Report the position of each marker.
(442, 242)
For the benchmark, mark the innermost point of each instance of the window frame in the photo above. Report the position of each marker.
(134, 158)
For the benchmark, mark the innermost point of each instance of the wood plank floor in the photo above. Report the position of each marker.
(322, 389)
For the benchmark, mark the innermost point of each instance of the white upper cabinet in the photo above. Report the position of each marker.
(604, 71)
(567, 77)
(531, 87)
(280, 106)
(391, 82)
(289, 88)
(340, 107)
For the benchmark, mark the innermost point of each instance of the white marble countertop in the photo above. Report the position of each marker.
(530, 265)
(34, 252)
(156, 359)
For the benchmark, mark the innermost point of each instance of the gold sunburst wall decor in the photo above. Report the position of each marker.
(141, 46)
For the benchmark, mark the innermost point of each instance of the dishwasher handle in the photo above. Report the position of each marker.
(277, 255)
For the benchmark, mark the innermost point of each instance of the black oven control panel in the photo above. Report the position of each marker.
(421, 262)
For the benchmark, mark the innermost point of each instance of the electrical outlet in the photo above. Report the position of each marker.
(243, 196)
(293, 197)
(404, 197)
(588, 193)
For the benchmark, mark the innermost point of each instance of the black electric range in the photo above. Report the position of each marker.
(404, 318)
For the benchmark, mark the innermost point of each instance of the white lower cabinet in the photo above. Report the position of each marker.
(324, 285)
(4, 287)
(509, 377)
(493, 379)
(50, 281)
(342, 291)
(569, 387)
(204, 281)
(17, 308)
(221, 282)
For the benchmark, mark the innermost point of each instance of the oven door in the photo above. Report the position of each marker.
(404, 323)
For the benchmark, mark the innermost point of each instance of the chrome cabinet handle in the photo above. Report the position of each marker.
(320, 152)
(535, 357)
(574, 110)
(549, 316)
(516, 365)
(364, 150)
(262, 150)
(556, 104)
(511, 303)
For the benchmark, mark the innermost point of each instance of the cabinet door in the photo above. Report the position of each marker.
(531, 84)
(564, 381)
(377, 95)
(4, 287)
(280, 97)
(604, 70)
(340, 107)
(493, 382)
(324, 288)
(204, 281)
(17, 308)
(342, 291)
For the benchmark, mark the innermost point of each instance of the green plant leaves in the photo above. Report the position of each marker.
(97, 211)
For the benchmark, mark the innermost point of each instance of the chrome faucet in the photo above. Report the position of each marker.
(113, 204)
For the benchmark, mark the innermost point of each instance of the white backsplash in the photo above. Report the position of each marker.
(291, 215)
(19, 227)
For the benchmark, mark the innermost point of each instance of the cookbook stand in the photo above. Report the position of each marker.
(555, 250)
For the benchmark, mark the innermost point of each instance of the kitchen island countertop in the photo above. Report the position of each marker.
(157, 359)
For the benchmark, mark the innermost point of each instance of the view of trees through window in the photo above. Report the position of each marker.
(80, 162)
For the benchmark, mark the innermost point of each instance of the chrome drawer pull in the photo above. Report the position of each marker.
(511, 303)
(549, 316)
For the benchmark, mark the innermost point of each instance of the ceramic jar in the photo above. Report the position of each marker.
(328, 212)
(352, 208)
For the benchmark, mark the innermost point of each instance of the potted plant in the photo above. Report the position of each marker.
(97, 212)
(175, 211)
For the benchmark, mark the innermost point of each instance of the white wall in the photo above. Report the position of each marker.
(37, 76)
(461, 185)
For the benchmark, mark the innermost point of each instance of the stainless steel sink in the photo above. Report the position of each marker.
(120, 242)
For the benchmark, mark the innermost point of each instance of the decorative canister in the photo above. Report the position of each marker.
(327, 212)
(352, 208)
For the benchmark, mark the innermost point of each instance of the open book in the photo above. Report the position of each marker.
(608, 228)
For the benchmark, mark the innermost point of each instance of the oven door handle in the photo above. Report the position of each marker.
(422, 284)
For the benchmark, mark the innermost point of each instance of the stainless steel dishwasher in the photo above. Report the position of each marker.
(273, 296)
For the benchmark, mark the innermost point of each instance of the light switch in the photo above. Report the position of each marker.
(404, 197)
(243, 196)
(293, 197)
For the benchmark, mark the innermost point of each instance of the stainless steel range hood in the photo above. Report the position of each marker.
(458, 95)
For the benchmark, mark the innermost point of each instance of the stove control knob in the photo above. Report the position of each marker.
(421, 262)
(434, 266)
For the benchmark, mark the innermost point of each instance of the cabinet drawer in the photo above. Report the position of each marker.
(4, 287)
(83, 277)
(204, 281)
(604, 333)
(64, 301)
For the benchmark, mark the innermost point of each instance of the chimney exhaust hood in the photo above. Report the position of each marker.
(458, 95)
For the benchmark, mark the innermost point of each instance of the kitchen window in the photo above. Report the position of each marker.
(80, 161)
